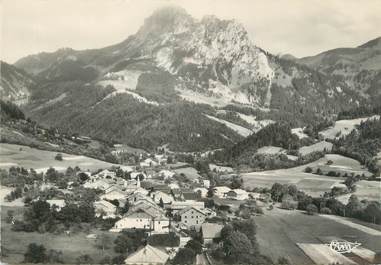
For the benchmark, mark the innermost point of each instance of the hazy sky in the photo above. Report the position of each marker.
(299, 27)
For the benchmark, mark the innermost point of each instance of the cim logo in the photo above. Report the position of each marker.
(343, 246)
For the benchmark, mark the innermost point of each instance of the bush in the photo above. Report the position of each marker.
(35, 254)
(58, 157)
(289, 203)
(184, 256)
(308, 170)
(325, 210)
(311, 209)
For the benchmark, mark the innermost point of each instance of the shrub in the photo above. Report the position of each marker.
(308, 170)
(35, 254)
(325, 210)
(58, 157)
(311, 209)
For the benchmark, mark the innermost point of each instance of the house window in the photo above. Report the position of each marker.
(185, 221)
(159, 222)
(196, 222)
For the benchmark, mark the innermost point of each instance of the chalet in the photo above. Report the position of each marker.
(114, 193)
(237, 194)
(157, 196)
(221, 191)
(101, 184)
(105, 209)
(192, 217)
(104, 174)
(149, 163)
(147, 255)
(143, 218)
(210, 232)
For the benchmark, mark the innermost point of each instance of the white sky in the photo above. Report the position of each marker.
(299, 27)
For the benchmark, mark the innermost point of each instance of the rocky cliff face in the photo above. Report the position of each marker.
(174, 59)
(15, 84)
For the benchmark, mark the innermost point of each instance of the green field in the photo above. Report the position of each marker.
(27, 157)
(15, 243)
(313, 184)
(279, 230)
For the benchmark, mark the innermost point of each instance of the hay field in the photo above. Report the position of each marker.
(344, 127)
(41, 160)
(314, 185)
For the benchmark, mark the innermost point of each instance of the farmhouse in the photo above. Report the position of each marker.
(105, 209)
(192, 217)
(102, 184)
(143, 218)
(113, 193)
(237, 194)
(159, 195)
(147, 255)
(149, 163)
(210, 231)
(221, 191)
(104, 174)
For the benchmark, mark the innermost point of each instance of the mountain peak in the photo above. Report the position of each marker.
(172, 19)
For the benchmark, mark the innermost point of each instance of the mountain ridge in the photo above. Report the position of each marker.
(171, 61)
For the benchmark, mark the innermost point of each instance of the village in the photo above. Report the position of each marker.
(156, 194)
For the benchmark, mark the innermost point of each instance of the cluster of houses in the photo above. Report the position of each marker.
(156, 205)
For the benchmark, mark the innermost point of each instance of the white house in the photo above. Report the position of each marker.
(210, 231)
(102, 184)
(149, 163)
(159, 195)
(147, 255)
(104, 208)
(143, 218)
(221, 191)
(113, 193)
(237, 194)
(104, 173)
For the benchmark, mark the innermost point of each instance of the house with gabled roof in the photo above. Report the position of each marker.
(221, 191)
(237, 194)
(105, 209)
(147, 255)
(157, 196)
(210, 232)
(143, 218)
(192, 217)
(114, 193)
